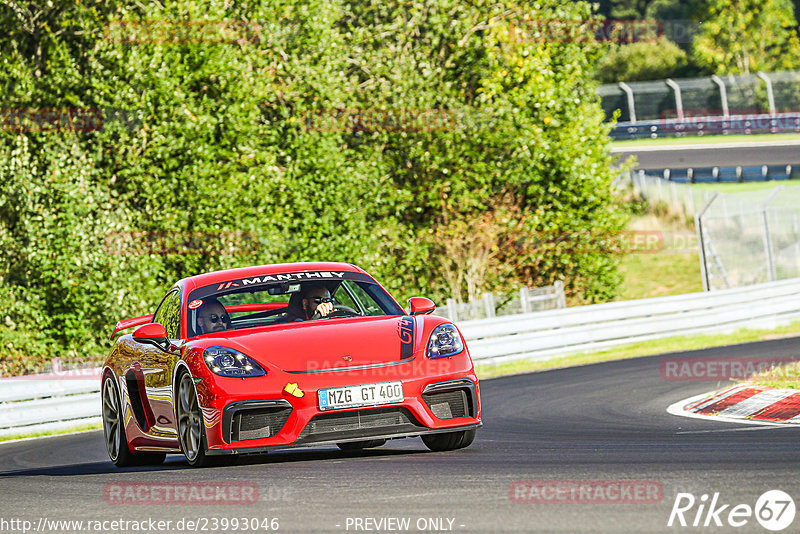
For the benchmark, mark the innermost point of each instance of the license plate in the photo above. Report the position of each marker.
(364, 395)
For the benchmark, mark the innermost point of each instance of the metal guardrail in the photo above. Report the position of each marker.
(544, 335)
(29, 405)
(43, 403)
(706, 125)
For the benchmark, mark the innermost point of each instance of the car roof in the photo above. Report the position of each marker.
(205, 279)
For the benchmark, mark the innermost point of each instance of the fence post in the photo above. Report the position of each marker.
(562, 300)
(638, 183)
(488, 300)
(770, 94)
(701, 245)
(631, 103)
(723, 95)
(678, 99)
(452, 311)
(524, 299)
(772, 274)
(674, 190)
(658, 188)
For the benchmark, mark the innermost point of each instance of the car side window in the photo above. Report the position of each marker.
(169, 314)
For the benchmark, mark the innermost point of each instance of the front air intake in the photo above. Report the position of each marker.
(448, 404)
(255, 419)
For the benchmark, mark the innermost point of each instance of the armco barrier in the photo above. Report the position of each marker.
(40, 404)
(543, 335)
(699, 126)
(30, 405)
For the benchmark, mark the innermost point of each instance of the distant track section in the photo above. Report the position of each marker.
(712, 154)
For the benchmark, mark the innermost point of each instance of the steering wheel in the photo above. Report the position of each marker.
(339, 311)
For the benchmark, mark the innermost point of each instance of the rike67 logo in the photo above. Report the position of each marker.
(774, 510)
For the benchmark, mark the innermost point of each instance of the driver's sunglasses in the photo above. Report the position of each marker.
(320, 300)
(214, 318)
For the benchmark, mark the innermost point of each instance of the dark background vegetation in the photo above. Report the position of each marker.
(431, 142)
(703, 37)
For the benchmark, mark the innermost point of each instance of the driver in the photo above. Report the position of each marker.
(212, 317)
(315, 299)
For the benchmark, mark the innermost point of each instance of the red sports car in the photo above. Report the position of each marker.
(259, 358)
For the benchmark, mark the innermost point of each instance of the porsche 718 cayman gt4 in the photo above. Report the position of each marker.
(238, 361)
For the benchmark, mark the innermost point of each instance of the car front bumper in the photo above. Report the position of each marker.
(241, 419)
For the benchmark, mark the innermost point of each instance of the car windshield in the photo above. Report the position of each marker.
(278, 299)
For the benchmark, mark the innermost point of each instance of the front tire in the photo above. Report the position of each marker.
(448, 441)
(191, 429)
(114, 431)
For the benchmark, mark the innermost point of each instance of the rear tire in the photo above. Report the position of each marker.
(114, 431)
(448, 441)
(359, 445)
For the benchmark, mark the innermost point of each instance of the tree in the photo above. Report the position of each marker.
(364, 131)
(628, 9)
(641, 61)
(526, 137)
(744, 36)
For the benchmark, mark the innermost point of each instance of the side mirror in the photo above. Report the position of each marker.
(152, 333)
(421, 305)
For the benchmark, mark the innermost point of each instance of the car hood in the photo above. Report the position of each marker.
(329, 343)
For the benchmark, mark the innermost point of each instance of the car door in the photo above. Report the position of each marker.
(160, 361)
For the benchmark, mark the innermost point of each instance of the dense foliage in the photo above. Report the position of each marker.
(441, 145)
(703, 37)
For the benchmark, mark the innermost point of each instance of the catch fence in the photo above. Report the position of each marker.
(744, 238)
(744, 103)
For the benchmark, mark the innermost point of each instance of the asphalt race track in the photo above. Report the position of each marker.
(599, 422)
(723, 154)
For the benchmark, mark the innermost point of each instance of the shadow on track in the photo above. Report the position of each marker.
(178, 463)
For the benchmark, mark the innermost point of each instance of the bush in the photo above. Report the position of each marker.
(367, 132)
(641, 61)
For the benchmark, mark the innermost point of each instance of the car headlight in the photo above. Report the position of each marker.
(229, 362)
(445, 341)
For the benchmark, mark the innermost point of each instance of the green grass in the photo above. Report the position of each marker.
(672, 267)
(635, 350)
(784, 377)
(666, 141)
(745, 187)
(81, 428)
(659, 275)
